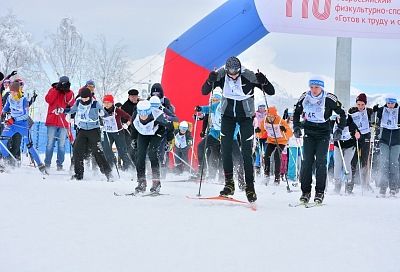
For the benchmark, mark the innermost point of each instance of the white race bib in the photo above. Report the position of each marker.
(314, 108)
(390, 118)
(345, 133)
(360, 118)
(233, 89)
(273, 131)
(110, 124)
(180, 140)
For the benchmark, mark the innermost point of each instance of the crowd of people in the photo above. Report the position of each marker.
(240, 139)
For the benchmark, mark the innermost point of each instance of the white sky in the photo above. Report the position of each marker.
(147, 27)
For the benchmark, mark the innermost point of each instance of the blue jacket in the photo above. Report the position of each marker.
(87, 116)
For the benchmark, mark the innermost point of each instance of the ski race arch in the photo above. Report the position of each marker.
(238, 24)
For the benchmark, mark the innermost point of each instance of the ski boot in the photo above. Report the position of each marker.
(141, 188)
(109, 177)
(76, 177)
(258, 170)
(338, 186)
(319, 197)
(155, 188)
(251, 194)
(42, 169)
(60, 168)
(350, 187)
(392, 192)
(382, 192)
(229, 188)
(305, 197)
(277, 180)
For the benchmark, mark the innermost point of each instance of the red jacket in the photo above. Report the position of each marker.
(58, 99)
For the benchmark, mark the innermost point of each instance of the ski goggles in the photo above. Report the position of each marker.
(144, 112)
(233, 72)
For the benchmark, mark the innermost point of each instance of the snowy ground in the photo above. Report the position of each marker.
(62, 225)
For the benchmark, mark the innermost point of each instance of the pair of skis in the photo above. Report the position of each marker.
(251, 205)
(151, 194)
(306, 205)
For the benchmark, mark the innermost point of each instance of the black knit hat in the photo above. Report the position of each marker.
(86, 92)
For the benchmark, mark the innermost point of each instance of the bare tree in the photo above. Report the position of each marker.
(108, 67)
(66, 50)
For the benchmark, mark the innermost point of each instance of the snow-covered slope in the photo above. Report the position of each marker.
(62, 225)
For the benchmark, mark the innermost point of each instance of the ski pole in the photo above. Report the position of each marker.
(359, 167)
(344, 163)
(8, 151)
(194, 140)
(206, 140)
(182, 160)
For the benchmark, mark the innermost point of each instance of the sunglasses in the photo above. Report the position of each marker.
(233, 72)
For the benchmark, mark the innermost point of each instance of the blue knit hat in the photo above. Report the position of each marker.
(391, 99)
(316, 81)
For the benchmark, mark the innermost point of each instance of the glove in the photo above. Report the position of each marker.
(283, 129)
(297, 132)
(13, 73)
(10, 121)
(213, 77)
(197, 108)
(375, 108)
(261, 78)
(168, 147)
(125, 126)
(58, 111)
(134, 144)
(257, 130)
(34, 96)
(190, 143)
(202, 134)
(337, 134)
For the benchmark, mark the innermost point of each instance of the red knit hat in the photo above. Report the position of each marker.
(362, 97)
(108, 98)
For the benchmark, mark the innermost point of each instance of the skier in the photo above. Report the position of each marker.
(316, 106)
(213, 148)
(294, 146)
(183, 141)
(113, 132)
(278, 134)
(362, 118)
(389, 122)
(15, 114)
(158, 90)
(237, 107)
(261, 136)
(149, 126)
(60, 96)
(87, 115)
(343, 154)
(130, 108)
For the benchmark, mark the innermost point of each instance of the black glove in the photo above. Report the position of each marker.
(285, 114)
(202, 134)
(213, 77)
(261, 78)
(13, 73)
(197, 108)
(257, 130)
(297, 132)
(34, 96)
(337, 134)
(1, 76)
(375, 108)
(283, 129)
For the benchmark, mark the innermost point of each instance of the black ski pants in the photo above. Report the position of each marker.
(228, 125)
(315, 150)
(277, 157)
(363, 145)
(119, 139)
(148, 144)
(89, 139)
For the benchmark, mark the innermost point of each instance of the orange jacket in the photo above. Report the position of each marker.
(283, 140)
